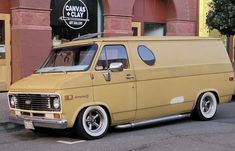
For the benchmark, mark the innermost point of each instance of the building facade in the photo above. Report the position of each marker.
(204, 31)
(29, 29)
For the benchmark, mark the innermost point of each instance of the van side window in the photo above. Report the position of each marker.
(146, 55)
(110, 54)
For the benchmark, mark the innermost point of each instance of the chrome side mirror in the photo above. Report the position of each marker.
(116, 67)
(113, 67)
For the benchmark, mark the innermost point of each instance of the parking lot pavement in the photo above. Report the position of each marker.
(183, 135)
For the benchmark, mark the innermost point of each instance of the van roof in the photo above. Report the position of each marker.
(136, 38)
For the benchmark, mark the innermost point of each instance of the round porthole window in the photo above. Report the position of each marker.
(146, 55)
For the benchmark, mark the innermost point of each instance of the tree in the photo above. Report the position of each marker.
(221, 16)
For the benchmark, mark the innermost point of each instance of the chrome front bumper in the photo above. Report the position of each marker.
(40, 122)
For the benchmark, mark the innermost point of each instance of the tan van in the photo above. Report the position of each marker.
(93, 84)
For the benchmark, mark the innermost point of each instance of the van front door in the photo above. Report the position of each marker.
(115, 88)
(5, 59)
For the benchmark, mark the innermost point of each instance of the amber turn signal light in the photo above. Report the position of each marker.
(57, 116)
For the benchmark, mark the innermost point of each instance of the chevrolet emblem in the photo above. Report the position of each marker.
(28, 102)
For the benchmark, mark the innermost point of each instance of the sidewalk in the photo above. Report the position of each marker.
(4, 109)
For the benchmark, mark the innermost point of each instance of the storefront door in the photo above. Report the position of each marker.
(5, 56)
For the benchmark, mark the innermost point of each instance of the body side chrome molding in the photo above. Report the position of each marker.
(153, 121)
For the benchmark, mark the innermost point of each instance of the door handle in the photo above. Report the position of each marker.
(129, 76)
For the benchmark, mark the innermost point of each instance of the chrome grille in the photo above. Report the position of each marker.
(36, 102)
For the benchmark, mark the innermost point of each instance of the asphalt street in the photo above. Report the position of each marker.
(183, 135)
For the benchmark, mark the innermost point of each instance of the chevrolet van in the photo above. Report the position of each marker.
(90, 85)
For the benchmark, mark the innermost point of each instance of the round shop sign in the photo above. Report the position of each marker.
(75, 14)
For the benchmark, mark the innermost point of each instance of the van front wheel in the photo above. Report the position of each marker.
(92, 123)
(206, 106)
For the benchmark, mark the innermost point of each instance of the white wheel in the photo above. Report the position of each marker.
(206, 106)
(92, 123)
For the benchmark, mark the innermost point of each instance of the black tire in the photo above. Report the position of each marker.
(92, 123)
(206, 106)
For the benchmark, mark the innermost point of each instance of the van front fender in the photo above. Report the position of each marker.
(72, 121)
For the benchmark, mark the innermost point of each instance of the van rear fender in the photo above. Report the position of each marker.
(206, 90)
(105, 106)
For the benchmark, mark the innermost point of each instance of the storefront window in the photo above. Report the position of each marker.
(73, 18)
(154, 29)
(2, 40)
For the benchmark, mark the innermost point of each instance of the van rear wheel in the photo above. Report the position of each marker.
(206, 106)
(92, 123)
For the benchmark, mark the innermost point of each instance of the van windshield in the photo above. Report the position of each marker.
(77, 58)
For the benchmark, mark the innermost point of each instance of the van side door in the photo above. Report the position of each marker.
(160, 91)
(114, 82)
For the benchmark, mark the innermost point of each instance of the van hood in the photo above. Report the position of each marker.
(52, 82)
